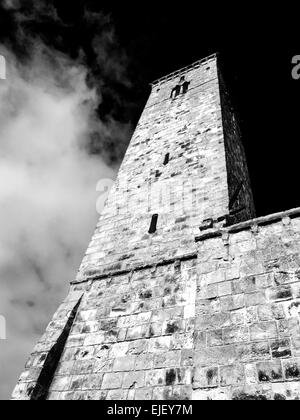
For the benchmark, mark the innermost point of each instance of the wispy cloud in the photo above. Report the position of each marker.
(54, 149)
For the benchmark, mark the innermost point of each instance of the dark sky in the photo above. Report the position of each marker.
(153, 39)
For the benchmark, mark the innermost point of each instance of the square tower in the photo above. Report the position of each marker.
(185, 168)
(127, 328)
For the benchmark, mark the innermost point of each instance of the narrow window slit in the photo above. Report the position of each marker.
(167, 159)
(153, 226)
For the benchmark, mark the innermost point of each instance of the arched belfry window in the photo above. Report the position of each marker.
(185, 87)
(175, 91)
(181, 88)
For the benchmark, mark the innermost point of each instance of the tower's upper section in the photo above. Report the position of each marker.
(160, 86)
(184, 168)
(2, 68)
(196, 81)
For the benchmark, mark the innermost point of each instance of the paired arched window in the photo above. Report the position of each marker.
(181, 88)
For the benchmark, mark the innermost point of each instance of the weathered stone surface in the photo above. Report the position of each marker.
(232, 375)
(112, 381)
(206, 377)
(162, 315)
(270, 371)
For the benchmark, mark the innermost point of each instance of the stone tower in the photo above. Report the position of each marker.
(182, 294)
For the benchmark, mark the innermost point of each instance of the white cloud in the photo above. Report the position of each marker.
(47, 194)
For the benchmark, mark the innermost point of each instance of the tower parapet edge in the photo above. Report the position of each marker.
(180, 295)
(184, 70)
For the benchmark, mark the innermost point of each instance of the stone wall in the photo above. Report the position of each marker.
(241, 204)
(247, 312)
(222, 324)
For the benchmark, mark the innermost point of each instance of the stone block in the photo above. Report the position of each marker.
(281, 349)
(251, 377)
(253, 352)
(182, 341)
(134, 380)
(254, 299)
(124, 364)
(296, 345)
(178, 376)
(118, 350)
(238, 317)
(232, 303)
(269, 371)
(60, 383)
(205, 377)
(244, 285)
(215, 355)
(208, 292)
(291, 369)
(76, 382)
(138, 347)
(155, 378)
(182, 392)
(103, 366)
(187, 357)
(144, 394)
(232, 375)
(144, 361)
(172, 327)
(137, 332)
(215, 338)
(162, 393)
(112, 381)
(263, 330)
(288, 327)
(212, 321)
(159, 345)
(252, 393)
(116, 395)
(92, 382)
(280, 294)
(236, 334)
(269, 312)
(168, 359)
(155, 330)
(200, 339)
(224, 289)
